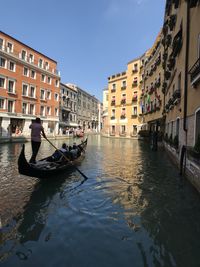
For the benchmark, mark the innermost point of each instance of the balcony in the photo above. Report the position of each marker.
(113, 103)
(133, 116)
(134, 98)
(123, 116)
(195, 73)
(123, 101)
(135, 83)
(134, 70)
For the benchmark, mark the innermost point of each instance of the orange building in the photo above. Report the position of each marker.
(29, 87)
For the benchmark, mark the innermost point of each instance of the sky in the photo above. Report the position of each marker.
(89, 39)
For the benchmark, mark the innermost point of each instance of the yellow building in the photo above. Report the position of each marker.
(123, 107)
(152, 96)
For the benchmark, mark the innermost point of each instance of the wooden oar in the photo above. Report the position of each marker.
(67, 159)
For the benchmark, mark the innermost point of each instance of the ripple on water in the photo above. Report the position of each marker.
(130, 211)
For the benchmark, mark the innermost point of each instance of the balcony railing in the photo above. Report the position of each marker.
(134, 116)
(195, 72)
(123, 116)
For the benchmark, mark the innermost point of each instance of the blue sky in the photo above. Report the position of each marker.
(90, 39)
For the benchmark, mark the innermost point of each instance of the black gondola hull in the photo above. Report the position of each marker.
(55, 168)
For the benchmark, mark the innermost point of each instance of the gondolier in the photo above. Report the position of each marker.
(36, 131)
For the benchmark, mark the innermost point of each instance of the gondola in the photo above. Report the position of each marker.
(46, 169)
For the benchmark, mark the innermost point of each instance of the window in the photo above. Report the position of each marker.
(114, 86)
(1, 43)
(134, 129)
(179, 81)
(48, 95)
(124, 84)
(25, 90)
(123, 129)
(2, 82)
(57, 83)
(11, 106)
(32, 91)
(56, 111)
(11, 66)
(42, 94)
(177, 126)
(11, 86)
(134, 110)
(56, 96)
(23, 55)
(9, 47)
(2, 103)
(46, 65)
(43, 78)
(49, 80)
(32, 109)
(25, 71)
(40, 63)
(33, 74)
(42, 111)
(48, 111)
(197, 125)
(31, 58)
(24, 108)
(2, 62)
(113, 129)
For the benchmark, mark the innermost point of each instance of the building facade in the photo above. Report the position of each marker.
(152, 97)
(87, 110)
(124, 107)
(68, 108)
(105, 123)
(29, 87)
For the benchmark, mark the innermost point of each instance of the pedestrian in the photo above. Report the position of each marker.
(36, 131)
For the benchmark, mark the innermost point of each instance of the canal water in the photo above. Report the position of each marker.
(134, 210)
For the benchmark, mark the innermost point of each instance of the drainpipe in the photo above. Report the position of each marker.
(183, 150)
(186, 67)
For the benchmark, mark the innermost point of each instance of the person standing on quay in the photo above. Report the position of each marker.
(36, 131)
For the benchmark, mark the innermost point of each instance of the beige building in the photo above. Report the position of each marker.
(181, 85)
(123, 107)
(161, 89)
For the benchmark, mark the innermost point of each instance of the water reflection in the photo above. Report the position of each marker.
(134, 210)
